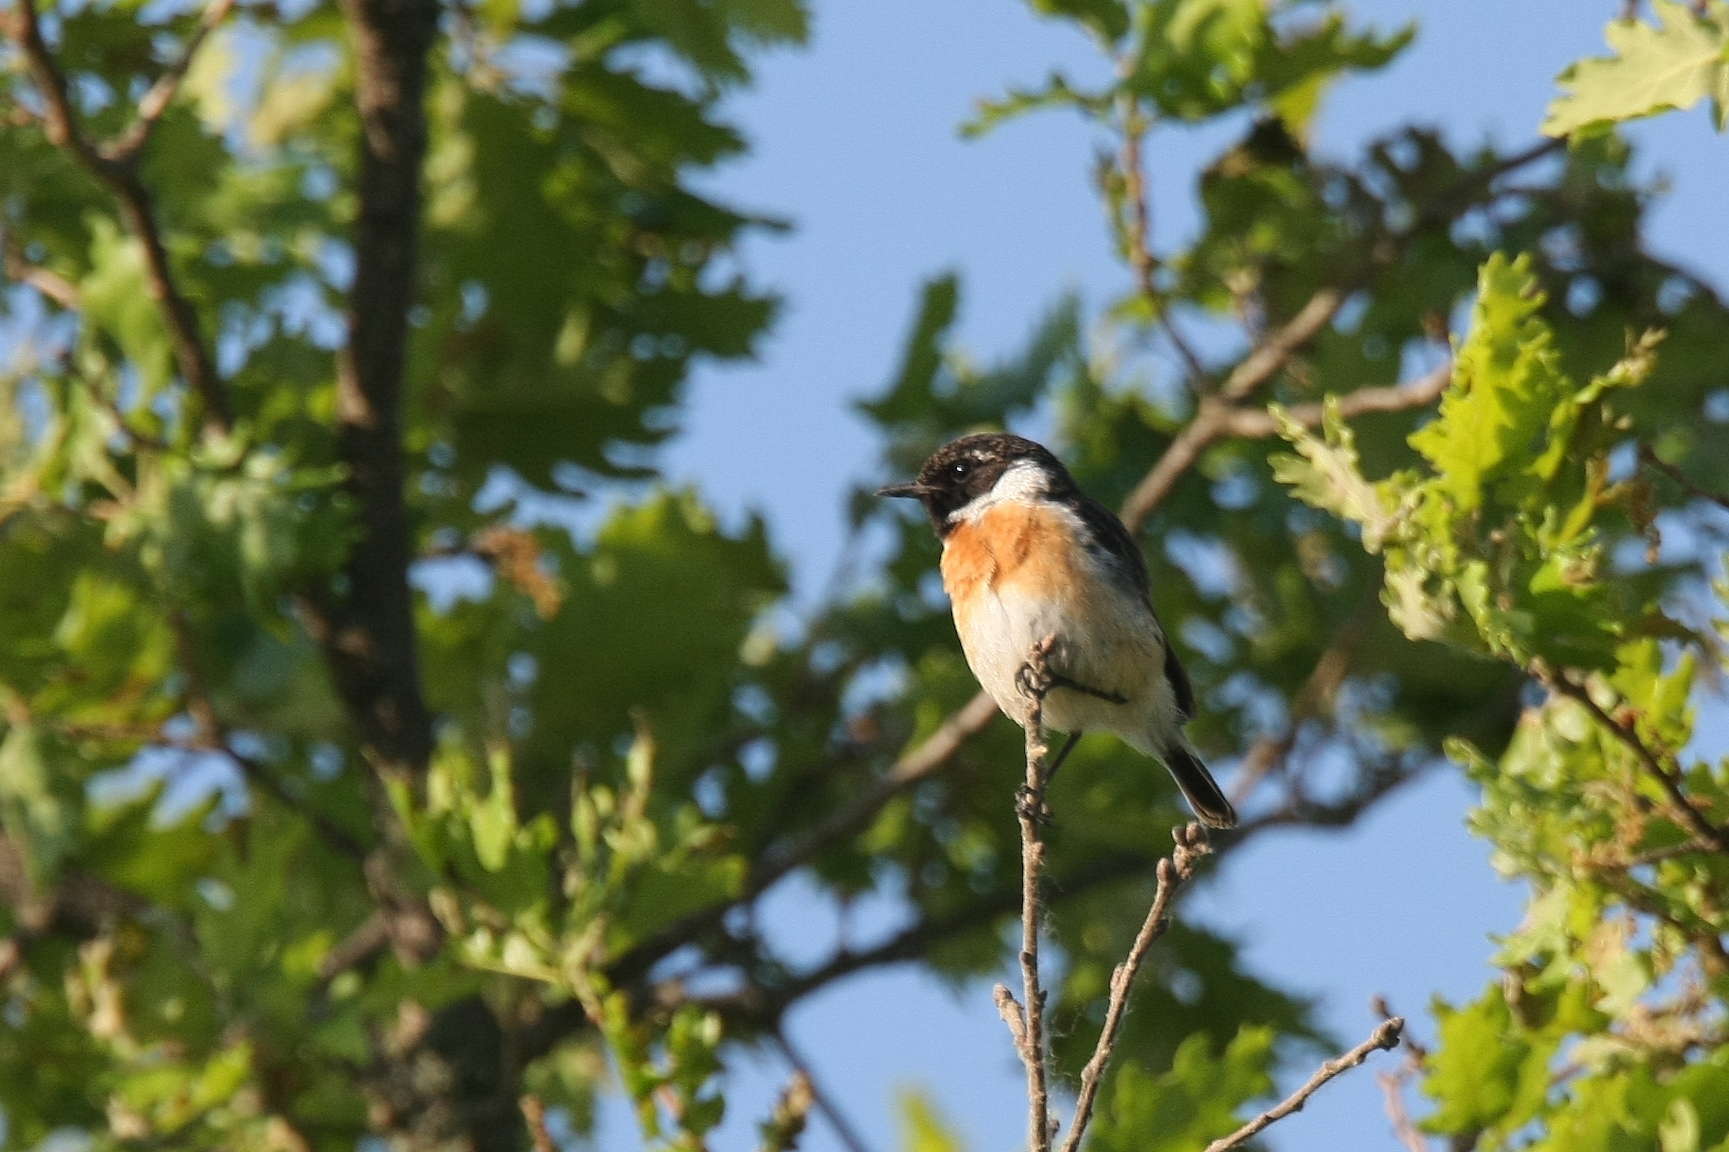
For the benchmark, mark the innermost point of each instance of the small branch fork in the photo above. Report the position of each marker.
(1658, 766)
(1025, 1017)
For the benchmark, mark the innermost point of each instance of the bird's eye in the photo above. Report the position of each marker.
(962, 468)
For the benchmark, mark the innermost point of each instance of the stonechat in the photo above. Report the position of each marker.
(1027, 556)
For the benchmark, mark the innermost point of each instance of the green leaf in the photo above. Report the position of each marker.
(1507, 380)
(1106, 19)
(1199, 1099)
(1326, 474)
(923, 1129)
(1487, 1074)
(1056, 92)
(1673, 64)
(39, 802)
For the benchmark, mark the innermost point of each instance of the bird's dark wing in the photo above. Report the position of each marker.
(1123, 556)
(1112, 542)
(1180, 686)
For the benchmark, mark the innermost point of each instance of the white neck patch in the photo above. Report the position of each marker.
(1021, 481)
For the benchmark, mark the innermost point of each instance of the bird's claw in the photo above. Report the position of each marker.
(1034, 680)
(1030, 805)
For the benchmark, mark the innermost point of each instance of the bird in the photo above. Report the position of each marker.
(1028, 558)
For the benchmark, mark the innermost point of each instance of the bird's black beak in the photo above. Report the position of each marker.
(913, 490)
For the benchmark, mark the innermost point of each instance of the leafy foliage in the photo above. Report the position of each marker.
(222, 925)
(1607, 1029)
(1675, 63)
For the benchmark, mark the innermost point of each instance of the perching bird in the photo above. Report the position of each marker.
(1027, 555)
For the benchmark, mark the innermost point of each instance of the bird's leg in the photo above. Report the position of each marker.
(1037, 682)
(1034, 680)
(1058, 680)
(1032, 803)
(1062, 754)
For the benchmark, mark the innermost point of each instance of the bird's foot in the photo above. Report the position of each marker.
(1035, 678)
(1030, 805)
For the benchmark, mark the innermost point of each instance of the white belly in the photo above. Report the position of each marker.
(1108, 642)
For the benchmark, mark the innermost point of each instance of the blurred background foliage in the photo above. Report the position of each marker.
(245, 905)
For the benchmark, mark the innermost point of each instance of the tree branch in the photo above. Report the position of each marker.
(367, 628)
(130, 143)
(1383, 1038)
(812, 1093)
(51, 284)
(1649, 457)
(1217, 411)
(763, 1001)
(1682, 808)
(213, 736)
(1138, 235)
(1393, 1087)
(1220, 415)
(1173, 871)
(1270, 356)
(61, 126)
(1026, 1020)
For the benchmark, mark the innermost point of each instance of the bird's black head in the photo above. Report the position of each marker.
(964, 470)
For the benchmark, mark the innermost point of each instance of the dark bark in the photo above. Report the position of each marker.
(367, 626)
(446, 1088)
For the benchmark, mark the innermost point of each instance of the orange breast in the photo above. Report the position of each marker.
(1020, 546)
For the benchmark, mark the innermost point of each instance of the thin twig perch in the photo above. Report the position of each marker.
(1172, 872)
(1026, 1019)
(1383, 1038)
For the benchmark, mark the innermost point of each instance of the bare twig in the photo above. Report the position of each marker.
(1697, 846)
(365, 943)
(1393, 1084)
(1257, 423)
(534, 1117)
(1138, 236)
(1173, 871)
(1383, 1038)
(781, 1131)
(1316, 695)
(1666, 775)
(60, 124)
(804, 1086)
(1393, 1093)
(764, 1001)
(51, 284)
(126, 147)
(1650, 459)
(1029, 1036)
(213, 736)
(1217, 420)
(1216, 411)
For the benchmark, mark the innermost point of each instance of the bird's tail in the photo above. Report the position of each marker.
(1198, 785)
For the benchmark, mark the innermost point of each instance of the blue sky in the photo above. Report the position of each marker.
(854, 141)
